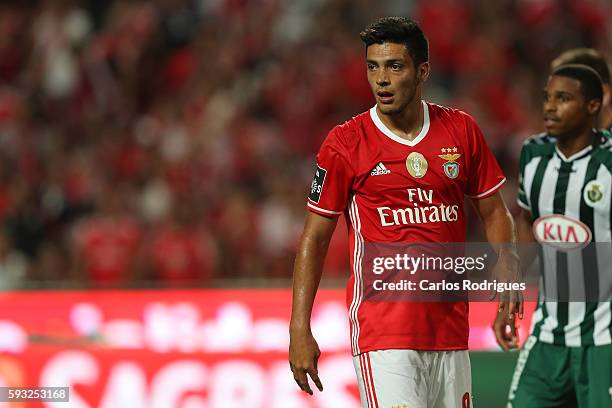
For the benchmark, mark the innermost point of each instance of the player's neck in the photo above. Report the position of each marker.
(406, 124)
(569, 145)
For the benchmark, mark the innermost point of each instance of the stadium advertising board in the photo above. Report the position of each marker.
(179, 348)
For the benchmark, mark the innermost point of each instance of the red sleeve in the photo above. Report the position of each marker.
(485, 176)
(333, 179)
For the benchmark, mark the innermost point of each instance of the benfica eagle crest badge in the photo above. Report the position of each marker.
(451, 167)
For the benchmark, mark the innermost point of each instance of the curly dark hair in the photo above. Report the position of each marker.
(590, 81)
(399, 30)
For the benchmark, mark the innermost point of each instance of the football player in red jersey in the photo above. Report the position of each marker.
(399, 173)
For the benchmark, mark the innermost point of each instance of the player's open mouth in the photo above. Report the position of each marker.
(385, 97)
(550, 121)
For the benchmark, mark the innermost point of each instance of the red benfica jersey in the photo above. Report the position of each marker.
(395, 190)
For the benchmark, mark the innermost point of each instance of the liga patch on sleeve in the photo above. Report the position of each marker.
(317, 185)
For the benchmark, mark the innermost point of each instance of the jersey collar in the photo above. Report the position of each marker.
(579, 155)
(387, 132)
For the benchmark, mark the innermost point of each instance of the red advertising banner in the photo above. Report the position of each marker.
(180, 348)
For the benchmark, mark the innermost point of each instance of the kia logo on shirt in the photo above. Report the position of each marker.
(561, 232)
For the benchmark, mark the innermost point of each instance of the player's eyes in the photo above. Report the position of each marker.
(396, 67)
(371, 67)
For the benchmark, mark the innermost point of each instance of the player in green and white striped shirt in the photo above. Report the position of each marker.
(565, 194)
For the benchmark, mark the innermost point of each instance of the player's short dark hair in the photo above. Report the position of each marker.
(399, 30)
(585, 56)
(590, 81)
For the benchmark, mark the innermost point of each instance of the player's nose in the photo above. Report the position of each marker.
(382, 78)
(549, 106)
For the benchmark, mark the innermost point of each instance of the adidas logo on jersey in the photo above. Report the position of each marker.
(379, 170)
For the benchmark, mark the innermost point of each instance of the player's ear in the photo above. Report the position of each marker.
(607, 95)
(423, 71)
(593, 106)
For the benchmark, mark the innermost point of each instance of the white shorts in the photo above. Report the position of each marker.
(414, 379)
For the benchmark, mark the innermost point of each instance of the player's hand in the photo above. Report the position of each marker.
(505, 331)
(507, 270)
(303, 357)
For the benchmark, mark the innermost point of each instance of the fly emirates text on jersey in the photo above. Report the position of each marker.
(429, 212)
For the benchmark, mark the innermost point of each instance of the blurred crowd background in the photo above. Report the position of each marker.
(172, 142)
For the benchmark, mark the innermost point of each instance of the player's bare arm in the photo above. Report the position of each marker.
(303, 349)
(500, 232)
(527, 253)
(503, 327)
